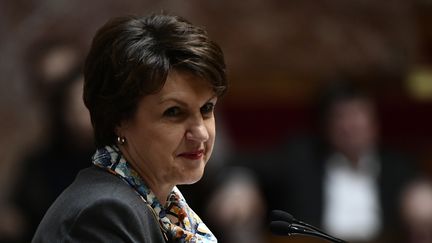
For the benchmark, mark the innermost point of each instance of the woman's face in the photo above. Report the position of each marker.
(170, 138)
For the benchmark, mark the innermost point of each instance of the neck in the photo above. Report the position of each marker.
(160, 189)
(354, 159)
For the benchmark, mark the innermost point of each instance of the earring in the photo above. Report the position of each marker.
(121, 140)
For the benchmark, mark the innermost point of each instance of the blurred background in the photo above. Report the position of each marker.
(281, 55)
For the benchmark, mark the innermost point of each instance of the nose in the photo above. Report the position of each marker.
(197, 132)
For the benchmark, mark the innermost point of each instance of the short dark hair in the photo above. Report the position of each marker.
(337, 91)
(130, 57)
(340, 91)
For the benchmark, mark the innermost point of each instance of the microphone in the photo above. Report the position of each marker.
(279, 215)
(285, 224)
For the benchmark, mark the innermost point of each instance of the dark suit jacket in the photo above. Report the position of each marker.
(99, 207)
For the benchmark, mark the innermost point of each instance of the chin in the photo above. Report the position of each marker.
(192, 177)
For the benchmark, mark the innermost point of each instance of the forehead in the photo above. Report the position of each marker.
(181, 84)
(352, 112)
(352, 105)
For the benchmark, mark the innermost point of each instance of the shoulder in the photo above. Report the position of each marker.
(398, 164)
(110, 219)
(99, 207)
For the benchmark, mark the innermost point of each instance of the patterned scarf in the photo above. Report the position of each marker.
(177, 220)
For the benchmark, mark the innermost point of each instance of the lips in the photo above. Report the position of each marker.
(193, 155)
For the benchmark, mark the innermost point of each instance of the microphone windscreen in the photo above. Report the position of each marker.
(279, 215)
(280, 228)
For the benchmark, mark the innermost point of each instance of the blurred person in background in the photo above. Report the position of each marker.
(49, 61)
(18, 126)
(236, 208)
(344, 180)
(62, 150)
(416, 210)
(151, 85)
(362, 180)
(47, 172)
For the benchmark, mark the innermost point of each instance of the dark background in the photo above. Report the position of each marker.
(279, 55)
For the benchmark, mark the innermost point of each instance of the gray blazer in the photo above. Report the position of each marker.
(99, 207)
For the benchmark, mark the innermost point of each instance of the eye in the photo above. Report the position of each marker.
(207, 109)
(172, 112)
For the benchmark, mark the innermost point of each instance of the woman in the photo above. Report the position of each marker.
(151, 84)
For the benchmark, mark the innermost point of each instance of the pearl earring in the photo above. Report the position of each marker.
(121, 140)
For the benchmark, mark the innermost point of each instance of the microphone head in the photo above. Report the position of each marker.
(280, 228)
(279, 215)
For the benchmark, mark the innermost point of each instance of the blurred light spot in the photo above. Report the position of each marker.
(419, 83)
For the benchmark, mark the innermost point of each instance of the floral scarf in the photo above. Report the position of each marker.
(182, 225)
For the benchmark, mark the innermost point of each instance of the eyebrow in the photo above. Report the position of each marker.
(172, 99)
(180, 101)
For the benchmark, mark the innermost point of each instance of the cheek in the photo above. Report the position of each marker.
(211, 129)
(168, 137)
